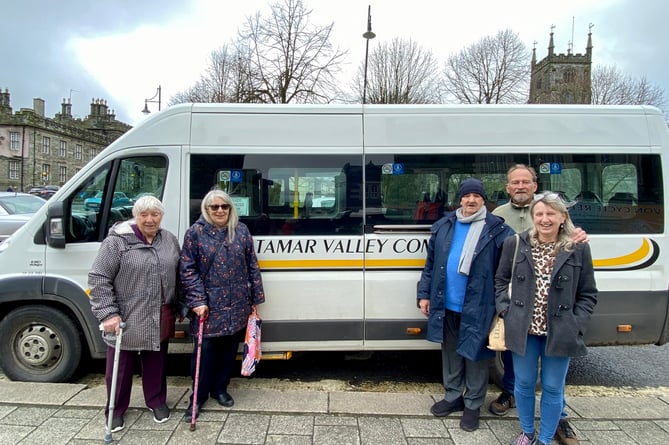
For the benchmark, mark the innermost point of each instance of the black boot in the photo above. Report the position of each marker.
(189, 412)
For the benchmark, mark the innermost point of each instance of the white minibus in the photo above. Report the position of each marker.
(339, 199)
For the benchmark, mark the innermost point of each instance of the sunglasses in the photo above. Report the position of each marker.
(548, 195)
(215, 207)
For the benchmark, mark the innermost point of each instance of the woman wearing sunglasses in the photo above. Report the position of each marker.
(221, 284)
(554, 294)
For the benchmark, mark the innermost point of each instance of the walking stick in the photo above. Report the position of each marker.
(112, 395)
(197, 373)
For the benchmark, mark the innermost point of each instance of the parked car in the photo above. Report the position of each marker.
(15, 210)
(44, 191)
(120, 200)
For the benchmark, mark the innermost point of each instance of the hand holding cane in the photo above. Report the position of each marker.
(112, 394)
(197, 372)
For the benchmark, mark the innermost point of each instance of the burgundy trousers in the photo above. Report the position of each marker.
(154, 380)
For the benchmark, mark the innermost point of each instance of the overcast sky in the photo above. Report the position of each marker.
(121, 50)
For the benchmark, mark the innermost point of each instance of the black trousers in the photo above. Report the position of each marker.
(217, 363)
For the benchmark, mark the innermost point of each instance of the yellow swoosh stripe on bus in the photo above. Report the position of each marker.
(624, 261)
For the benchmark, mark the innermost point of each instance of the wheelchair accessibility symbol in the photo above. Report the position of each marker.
(553, 168)
(235, 176)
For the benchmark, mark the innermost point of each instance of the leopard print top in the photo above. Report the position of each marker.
(544, 258)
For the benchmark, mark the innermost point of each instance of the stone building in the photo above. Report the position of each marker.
(562, 78)
(38, 150)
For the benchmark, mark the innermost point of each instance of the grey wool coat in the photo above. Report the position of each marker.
(571, 297)
(131, 279)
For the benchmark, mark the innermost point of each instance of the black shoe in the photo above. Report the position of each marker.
(443, 408)
(161, 414)
(117, 424)
(470, 419)
(225, 399)
(189, 412)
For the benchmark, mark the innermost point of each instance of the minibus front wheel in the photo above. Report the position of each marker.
(39, 344)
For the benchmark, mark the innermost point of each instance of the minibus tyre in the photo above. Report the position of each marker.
(39, 344)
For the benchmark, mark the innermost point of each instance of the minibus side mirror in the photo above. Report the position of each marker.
(55, 225)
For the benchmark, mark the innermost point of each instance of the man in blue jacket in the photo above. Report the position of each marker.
(456, 292)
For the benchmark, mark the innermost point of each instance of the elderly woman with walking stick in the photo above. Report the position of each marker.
(222, 286)
(133, 280)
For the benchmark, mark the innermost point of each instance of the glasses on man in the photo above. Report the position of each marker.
(216, 207)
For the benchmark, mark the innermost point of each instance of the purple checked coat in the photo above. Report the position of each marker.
(130, 279)
(232, 283)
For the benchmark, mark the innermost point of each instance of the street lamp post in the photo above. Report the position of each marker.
(152, 100)
(368, 36)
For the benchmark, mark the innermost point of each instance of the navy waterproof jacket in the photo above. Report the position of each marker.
(479, 303)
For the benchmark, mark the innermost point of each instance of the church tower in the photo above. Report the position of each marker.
(562, 78)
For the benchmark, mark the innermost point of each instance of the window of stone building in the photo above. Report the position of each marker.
(46, 145)
(63, 149)
(14, 142)
(14, 169)
(78, 149)
(569, 76)
(46, 173)
(62, 173)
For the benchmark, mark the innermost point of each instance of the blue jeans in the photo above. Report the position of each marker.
(508, 380)
(553, 375)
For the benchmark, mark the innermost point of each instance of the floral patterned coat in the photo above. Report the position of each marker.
(229, 285)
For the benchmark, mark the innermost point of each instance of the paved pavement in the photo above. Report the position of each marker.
(34, 413)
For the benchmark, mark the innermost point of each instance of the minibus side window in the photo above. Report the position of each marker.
(284, 194)
(607, 193)
(418, 189)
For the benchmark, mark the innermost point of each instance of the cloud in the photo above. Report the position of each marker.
(122, 50)
(39, 62)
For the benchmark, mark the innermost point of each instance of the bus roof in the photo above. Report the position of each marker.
(417, 127)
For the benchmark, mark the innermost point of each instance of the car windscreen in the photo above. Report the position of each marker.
(21, 204)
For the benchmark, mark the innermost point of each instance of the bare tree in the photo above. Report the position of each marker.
(290, 60)
(224, 80)
(494, 70)
(399, 72)
(612, 87)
